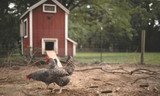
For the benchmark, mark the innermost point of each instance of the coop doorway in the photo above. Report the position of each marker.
(49, 44)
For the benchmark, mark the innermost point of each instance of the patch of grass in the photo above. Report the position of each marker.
(108, 57)
(152, 58)
(94, 57)
(15, 59)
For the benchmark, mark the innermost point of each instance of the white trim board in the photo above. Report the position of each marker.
(74, 45)
(61, 6)
(50, 5)
(31, 32)
(22, 45)
(21, 28)
(25, 35)
(55, 40)
(74, 49)
(41, 2)
(33, 7)
(21, 35)
(72, 41)
(66, 34)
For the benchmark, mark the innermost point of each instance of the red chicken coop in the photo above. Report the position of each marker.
(45, 26)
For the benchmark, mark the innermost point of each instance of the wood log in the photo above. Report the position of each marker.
(106, 91)
(144, 85)
(93, 86)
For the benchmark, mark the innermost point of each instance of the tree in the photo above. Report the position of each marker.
(113, 16)
(143, 16)
(122, 22)
(71, 4)
(8, 28)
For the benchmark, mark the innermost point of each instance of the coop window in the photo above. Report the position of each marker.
(25, 28)
(49, 8)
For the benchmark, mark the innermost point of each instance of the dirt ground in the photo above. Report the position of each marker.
(87, 80)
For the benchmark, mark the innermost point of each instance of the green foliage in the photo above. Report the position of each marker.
(122, 22)
(9, 32)
(112, 15)
(144, 13)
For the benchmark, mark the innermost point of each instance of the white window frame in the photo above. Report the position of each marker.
(51, 6)
(25, 35)
(55, 40)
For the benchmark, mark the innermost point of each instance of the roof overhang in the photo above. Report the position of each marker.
(41, 2)
(72, 41)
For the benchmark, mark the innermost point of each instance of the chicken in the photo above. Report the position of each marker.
(48, 75)
(63, 81)
(54, 74)
(70, 65)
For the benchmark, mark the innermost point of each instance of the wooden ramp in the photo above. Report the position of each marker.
(52, 54)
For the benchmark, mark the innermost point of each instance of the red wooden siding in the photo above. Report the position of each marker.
(26, 40)
(70, 48)
(49, 25)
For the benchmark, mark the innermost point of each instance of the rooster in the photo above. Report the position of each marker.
(48, 75)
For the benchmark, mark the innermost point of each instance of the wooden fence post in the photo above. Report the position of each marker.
(142, 46)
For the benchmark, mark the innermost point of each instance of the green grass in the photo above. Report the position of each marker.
(92, 57)
(107, 57)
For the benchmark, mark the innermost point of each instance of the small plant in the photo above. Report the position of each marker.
(31, 58)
